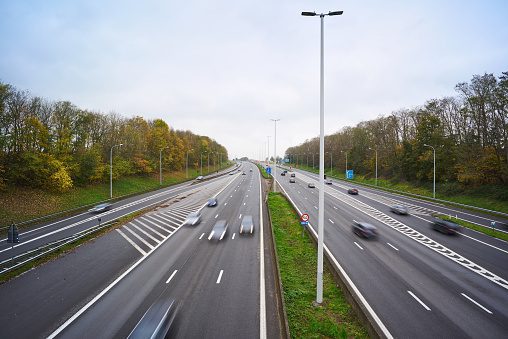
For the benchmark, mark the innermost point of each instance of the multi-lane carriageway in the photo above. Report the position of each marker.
(416, 282)
(219, 285)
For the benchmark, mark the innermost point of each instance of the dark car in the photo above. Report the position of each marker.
(328, 181)
(445, 226)
(101, 208)
(219, 230)
(311, 185)
(293, 175)
(250, 170)
(353, 191)
(364, 229)
(243, 173)
(283, 174)
(292, 180)
(399, 209)
(157, 321)
(247, 225)
(212, 202)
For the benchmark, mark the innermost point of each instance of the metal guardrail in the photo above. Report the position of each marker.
(458, 204)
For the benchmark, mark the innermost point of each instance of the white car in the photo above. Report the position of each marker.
(193, 218)
(247, 225)
(219, 230)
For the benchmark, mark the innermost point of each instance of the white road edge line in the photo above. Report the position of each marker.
(373, 314)
(262, 296)
(418, 299)
(131, 242)
(477, 304)
(201, 236)
(331, 221)
(395, 248)
(171, 277)
(220, 276)
(360, 247)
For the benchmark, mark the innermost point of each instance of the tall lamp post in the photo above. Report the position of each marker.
(376, 161)
(275, 155)
(346, 161)
(331, 162)
(268, 149)
(434, 186)
(201, 159)
(321, 233)
(160, 164)
(187, 163)
(111, 170)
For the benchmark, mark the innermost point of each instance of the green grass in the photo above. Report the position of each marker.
(19, 204)
(488, 231)
(490, 197)
(263, 172)
(297, 260)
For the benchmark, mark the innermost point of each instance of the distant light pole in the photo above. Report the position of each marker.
(313, 161)
(187, 163)
(268, 149)
(331, 162)
(376, 161)
(201, 168)
(160, 164)
(275, 155)
(434, 189)
(111, 170)
(321, 233)
(346, 161)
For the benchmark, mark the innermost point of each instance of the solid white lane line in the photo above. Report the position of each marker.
(360, 247)
(201, 236)
(395, 248)
(131, 242)
(137, 236)
(418, 299)
(331, 221)
(220, 276)
(216, 216)
(171, 277)
(240, 217)
(477, 304)
(497, 248)
(233, 237)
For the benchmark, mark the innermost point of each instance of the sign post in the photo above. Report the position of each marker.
(304, 221)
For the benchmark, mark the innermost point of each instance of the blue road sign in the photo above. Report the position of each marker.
(304, 223)
(349, 174)
(268, 170)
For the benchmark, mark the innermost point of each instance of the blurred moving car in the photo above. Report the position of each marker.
(247, 225)
(292, 180)
(157, 321)
(399, 209)
(232, 173)
(243, 173)
(101, 208)
(364, 229)
(445, 226)
(200, 178)
(328, 182)
(192, 219)
(219, 230)
(250, 170)
(353, 191)
(293, 175)
(283, 174)
(212, 202)
(311, 185)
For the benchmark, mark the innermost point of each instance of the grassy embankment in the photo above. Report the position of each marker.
(298, 259)
(18, 204)
(487, 196)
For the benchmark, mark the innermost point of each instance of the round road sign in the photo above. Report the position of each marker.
(304, 217)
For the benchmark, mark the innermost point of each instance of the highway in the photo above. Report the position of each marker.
(218, 285)
(418, 282)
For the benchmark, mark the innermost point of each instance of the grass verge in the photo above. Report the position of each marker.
(298, 259)
(263, 172)
(488, 231)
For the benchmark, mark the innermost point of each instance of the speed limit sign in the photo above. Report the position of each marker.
(304, 217)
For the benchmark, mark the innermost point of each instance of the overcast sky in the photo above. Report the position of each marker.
(225, 68)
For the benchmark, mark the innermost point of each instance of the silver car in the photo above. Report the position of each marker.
(193, 218)
(247, 225)
(101, 208)
(219, 230)
(399, 209)
(157, 321)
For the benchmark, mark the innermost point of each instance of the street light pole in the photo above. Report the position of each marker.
(201, 160)
(376, 162)
(275, 155)
(268, 149)
(434, 186)
(187, 164)
(321, 233)
(111, 170)
(160, 164)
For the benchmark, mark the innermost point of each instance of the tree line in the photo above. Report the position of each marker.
(469, 133)
(56, 145)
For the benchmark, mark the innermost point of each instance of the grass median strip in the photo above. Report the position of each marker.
(298, 264)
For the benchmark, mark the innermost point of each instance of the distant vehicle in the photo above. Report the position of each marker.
(247, 225)
(292, 180)
(328, 182)
(353, 191)
(311, 185)
(293, 175)
(250, 170)
(193, 218)
(285, 171)
(283, 174)
(243, 173)
(200, 178)
(212, 202)
(219, 230)
(232, 173)
(399, 209)
(445, 226)
(364, 229)
(157, 321)
(101, 208)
